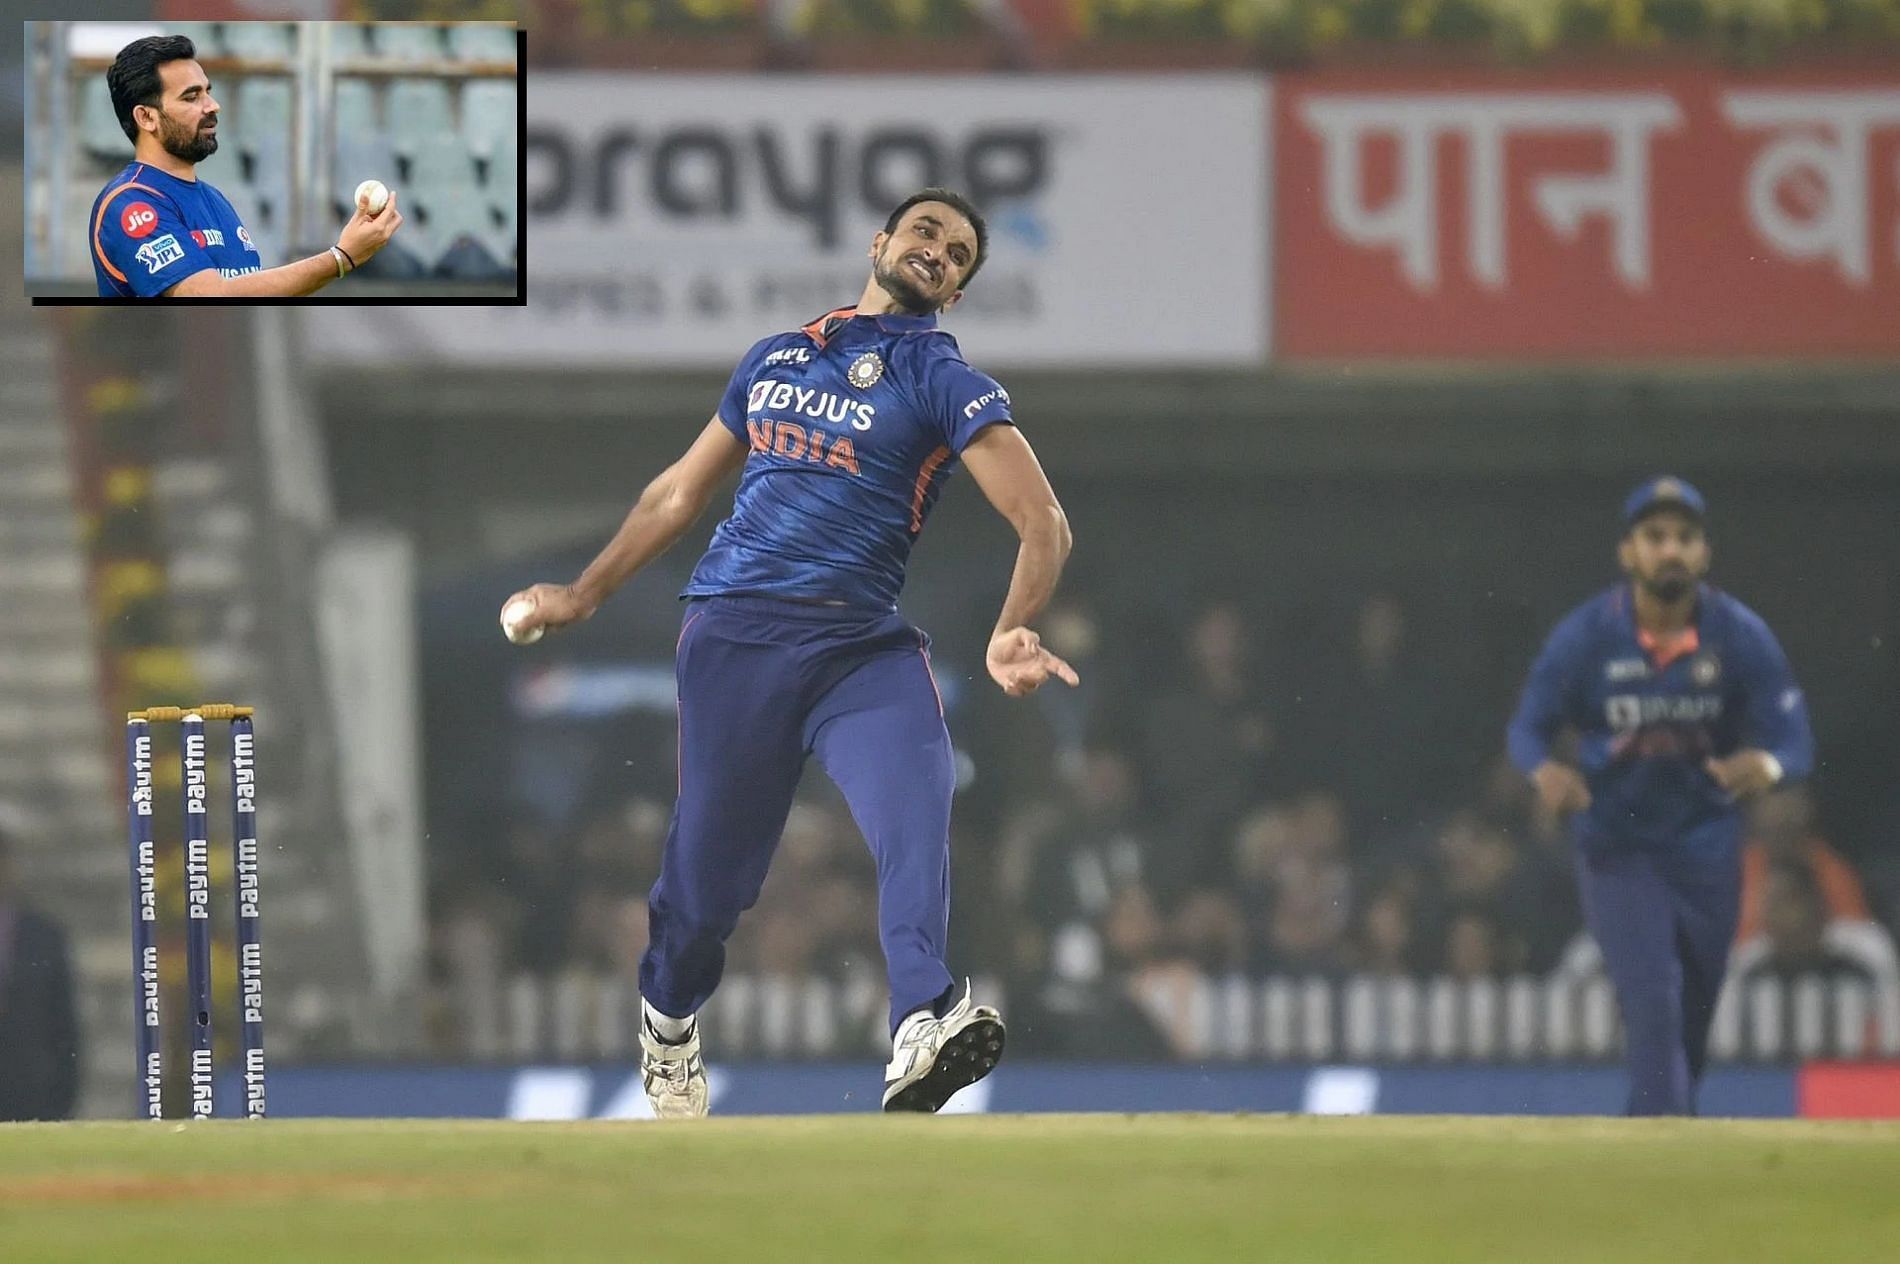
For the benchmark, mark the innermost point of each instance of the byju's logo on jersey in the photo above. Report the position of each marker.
(1623, 712)
(865, 371)
(160, 252)
(138, 219)
(770, 396)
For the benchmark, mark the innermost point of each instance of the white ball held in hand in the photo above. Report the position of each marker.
(371, 197)
(512, 615)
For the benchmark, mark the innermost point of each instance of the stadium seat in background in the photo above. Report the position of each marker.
(410, 41)
(99, 130)
(481, 41)
(359, 157)
(355, 108)
(261, 41)
(502, 190)
(204, 37)
(418, 113)
(270, 176)
(488, 115)
(261, 112)
(225, 168)
(349, 41)
(442, 171)
(452, 205)
(265, 235)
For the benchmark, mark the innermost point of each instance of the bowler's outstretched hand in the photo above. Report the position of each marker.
(1018, 662)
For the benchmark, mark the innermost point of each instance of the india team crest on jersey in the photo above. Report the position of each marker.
(1705, 670)
(865, 371)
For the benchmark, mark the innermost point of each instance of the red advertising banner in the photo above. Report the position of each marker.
(1587, 214)
(1849, 1090)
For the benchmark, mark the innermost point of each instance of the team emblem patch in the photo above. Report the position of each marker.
(1705, 670)
(865, 371)
(246, 239)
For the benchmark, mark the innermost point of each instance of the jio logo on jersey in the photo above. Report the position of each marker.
(138, 219)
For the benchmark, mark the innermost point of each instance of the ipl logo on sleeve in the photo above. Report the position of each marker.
(160, 252)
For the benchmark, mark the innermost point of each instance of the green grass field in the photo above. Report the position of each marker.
(1011, 1188)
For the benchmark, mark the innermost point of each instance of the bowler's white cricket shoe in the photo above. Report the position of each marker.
(673, 1073)
(932, 1058)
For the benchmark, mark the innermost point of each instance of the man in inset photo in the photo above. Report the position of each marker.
(157, 230)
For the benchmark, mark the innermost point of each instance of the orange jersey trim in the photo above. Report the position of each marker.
(100, 219)
(816, 330)
(931, 464)
(1667, 651)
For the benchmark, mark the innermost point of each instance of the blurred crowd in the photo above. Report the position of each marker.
(1309, 803)
(1092, 32)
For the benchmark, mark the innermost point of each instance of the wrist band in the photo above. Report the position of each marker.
(346, 254)
(1775, 769)
(338, 256)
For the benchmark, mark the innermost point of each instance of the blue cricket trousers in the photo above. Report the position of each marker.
(762, 684)
(1664, 920)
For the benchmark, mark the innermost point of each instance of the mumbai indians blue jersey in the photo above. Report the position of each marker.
(854, 425)
(1649, 717)
(150, 230)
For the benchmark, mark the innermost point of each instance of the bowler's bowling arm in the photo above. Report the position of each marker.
(670, 504)
(1005, 467)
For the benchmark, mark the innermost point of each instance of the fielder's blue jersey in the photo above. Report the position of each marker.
(150, 230)
(854, 423)
(1649, 717)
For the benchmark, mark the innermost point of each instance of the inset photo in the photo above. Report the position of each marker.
(328, 162)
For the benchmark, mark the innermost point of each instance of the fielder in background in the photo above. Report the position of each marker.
(157, 230)
(1684, 705)
(39, 1024)
(791, 644)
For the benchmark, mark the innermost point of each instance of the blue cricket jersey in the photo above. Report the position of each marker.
(854, 424)
(1648, 719)
(150, 230)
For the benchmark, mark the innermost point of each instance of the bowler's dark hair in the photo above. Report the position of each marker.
(962, 206)
(134, 79)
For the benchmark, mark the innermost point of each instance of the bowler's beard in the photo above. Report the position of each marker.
(1670, 586)
(901, 288)
(183, 143)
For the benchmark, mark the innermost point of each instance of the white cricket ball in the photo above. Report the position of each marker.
(511, 616)
(371, 197)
